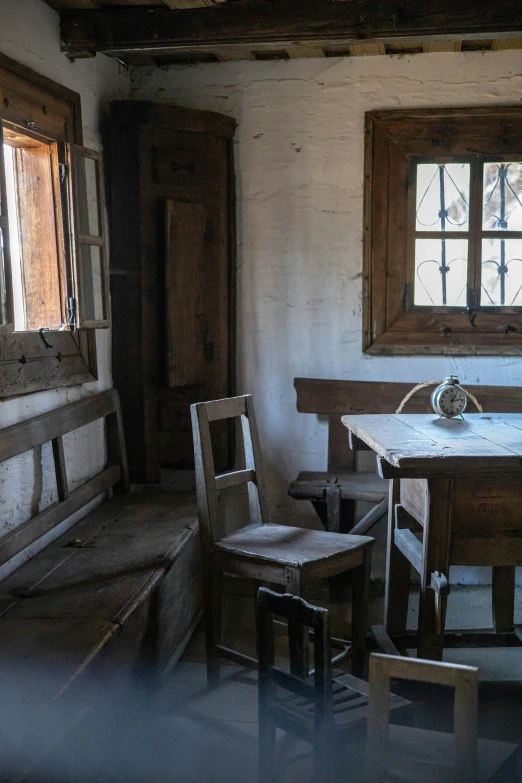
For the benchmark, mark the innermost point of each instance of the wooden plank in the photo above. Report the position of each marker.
(225, 480)
(503, 598)
(370, 519)
(324, 395)
(252, 25)
(20, 376)
(110, 579)
(442, 46)
(410, 546)
(30, 531)
(340, 456)
(40, 429)
(230, 55)
(411, 442)
(364, 50)
(184, 292)
(398, 572)
(383, 640)
(305, 51)
(60, 468)
(361, 485)
(486, 551)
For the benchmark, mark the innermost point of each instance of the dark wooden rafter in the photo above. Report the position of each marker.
(264, 25)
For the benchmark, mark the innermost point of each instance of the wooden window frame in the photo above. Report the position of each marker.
(395, 142)
(29, 363)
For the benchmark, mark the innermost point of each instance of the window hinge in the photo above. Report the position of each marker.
(62, 167)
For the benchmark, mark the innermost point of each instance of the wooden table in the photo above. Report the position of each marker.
(455, 499)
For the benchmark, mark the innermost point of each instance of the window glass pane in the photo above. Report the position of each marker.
(442, 197)
(501, 272)
(502, 197)
(86, 195)
(91, 283)
(441, 270)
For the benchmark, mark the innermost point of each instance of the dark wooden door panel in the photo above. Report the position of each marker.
(184, 341)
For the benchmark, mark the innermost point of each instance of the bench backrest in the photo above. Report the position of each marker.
(52, 426)
(336, 398)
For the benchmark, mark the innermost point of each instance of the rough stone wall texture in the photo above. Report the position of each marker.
(29, 33)
(299, 162)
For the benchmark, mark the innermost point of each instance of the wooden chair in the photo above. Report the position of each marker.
(319, 708)
(278, 554)
(421, 756)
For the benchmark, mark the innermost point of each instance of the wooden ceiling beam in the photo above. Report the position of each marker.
(264, 25)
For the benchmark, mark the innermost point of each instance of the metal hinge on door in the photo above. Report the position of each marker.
(62, 167)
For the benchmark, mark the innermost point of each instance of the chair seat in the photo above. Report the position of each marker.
(349, 699)
(364, 485)
(423, 756)
(292, 546)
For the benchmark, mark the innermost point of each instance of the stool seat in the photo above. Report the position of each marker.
(295, 546)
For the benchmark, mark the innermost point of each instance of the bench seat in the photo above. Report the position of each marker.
(70, 606)
(363, 485)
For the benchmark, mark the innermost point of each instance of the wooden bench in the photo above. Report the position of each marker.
(335, 491)
(119, 591)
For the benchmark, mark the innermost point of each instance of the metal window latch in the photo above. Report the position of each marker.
(440, 586)
(71, 312)
(62, 167)
(44, 338)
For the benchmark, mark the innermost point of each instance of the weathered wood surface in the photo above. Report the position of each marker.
(127, 551)
(163, 289)
(294, 546)
(323, 395)
(258, 25)
(52, 426)
(422, 442)
(358, 486)
(406, 753)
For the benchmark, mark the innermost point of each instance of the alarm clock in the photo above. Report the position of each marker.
(449, 398)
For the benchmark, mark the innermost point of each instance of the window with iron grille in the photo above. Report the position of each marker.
(443, 232)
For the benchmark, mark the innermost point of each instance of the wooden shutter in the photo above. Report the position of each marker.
(6, 288)
(87, 226)
(184, 283)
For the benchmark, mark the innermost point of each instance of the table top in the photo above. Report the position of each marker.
(426, 443)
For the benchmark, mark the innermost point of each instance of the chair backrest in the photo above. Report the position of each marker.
(208, 484)
(337, 398)
(301, 617)
(464, 679)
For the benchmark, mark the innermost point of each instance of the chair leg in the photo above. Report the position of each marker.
(213, 596)
(503, 598)
(267, 750)
(360, 605)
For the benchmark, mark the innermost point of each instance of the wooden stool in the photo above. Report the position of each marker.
(278, 554)
(318, 708)
(404, 753)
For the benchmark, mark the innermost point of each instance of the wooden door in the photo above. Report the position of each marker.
(186, 272)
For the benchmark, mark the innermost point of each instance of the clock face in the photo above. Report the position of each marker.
(452, 401)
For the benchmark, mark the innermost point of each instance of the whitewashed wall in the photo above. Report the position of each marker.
(299, 163)
(29, 33)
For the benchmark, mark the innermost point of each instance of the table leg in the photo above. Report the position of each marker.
(503, 598)
(398, 573)
(436, 544)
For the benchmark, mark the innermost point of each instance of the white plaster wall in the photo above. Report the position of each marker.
(299, 164)
(29, 33)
